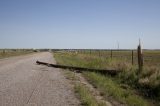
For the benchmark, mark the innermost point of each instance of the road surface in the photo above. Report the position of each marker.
(24, 83)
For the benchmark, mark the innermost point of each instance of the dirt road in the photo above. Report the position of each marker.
(24, 83)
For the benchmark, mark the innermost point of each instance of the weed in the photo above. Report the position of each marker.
(113, 89)
(85, 96)
(147, 82)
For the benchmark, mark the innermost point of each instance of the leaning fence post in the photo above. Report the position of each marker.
(140, 57)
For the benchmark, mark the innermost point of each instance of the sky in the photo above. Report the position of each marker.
(79, 24)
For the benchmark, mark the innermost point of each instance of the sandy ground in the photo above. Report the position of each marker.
(24, 83)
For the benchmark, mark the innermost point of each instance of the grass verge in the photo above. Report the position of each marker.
(86, 97)
(109, 88)
(82, 92)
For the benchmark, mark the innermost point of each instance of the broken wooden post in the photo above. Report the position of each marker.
(111, 72)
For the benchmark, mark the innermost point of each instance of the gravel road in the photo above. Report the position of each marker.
(24, 83)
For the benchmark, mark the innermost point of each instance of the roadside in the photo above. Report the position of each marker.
(88, 95)
(8, 54)
(109, 87)
(84, 91)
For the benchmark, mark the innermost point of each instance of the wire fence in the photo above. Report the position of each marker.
(150, 57)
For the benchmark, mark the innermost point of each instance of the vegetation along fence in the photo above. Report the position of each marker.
(150, 57)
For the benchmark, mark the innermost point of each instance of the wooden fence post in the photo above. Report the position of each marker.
(140, 58)
(3, 51)
(99, 53)
(132, 57)
(111, 54)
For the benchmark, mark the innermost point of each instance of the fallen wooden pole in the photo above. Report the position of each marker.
(80, 69)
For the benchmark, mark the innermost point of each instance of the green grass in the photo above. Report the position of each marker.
(86, 97)
(82, 92)
(70, 75)
(151, 57)
(11, 53)
(146, 83)
(109, 88)
(83, 60)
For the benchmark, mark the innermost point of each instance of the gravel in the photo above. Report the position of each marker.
(24, 83)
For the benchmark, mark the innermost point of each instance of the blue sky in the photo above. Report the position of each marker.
(92, 24)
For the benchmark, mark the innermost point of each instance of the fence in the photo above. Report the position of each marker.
(13, 52)
(150, 57)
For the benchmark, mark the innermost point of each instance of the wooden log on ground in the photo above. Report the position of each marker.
(80, 69)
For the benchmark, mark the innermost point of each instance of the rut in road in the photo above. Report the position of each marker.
(23, 83)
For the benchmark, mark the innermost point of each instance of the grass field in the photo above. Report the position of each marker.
(5, 53)
(130, 86)
(151, 57)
